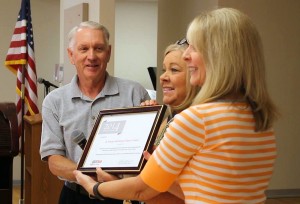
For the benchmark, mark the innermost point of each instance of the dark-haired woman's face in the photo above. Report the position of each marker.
(196, 65)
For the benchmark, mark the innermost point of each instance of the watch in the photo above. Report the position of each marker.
(97, 194)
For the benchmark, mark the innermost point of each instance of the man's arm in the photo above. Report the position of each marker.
(62, 167)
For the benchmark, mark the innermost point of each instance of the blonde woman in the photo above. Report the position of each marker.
(177, 91)
(221, 149)
(178, 94)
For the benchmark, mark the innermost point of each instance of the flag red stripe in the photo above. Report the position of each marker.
(18, 43)
(19, 30)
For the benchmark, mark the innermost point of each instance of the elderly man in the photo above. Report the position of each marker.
(76, 105)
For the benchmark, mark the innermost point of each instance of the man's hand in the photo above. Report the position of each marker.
(85, 181)
(104, 176)
(149, 103)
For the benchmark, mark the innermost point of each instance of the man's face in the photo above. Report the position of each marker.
(90, 55)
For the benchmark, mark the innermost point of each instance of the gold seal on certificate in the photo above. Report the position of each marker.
(119, 138)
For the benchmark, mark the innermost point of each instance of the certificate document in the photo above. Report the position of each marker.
(120, 137)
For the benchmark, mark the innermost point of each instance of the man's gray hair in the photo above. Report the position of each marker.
(87, 24)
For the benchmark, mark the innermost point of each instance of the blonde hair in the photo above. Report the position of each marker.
(233, 55)
(191, 91)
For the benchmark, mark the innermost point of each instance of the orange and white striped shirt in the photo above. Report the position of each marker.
(214, 152)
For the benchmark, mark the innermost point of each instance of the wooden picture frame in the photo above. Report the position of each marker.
(119, 138)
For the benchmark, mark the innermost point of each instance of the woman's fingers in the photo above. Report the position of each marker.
(146, 155)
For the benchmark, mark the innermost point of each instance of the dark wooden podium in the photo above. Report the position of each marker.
(41, 186)
(9, 148)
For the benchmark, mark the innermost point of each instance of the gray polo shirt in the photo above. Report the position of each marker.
(66, 109)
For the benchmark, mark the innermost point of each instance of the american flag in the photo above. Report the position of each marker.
(20, 60)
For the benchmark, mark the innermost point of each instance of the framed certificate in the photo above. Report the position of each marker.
(119, 138)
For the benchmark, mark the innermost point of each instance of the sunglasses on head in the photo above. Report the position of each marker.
(182, 42)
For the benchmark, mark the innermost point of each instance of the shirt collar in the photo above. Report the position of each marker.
(110, 87)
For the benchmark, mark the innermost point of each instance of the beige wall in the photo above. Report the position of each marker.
(278, 24)
(173, 19)
(135, 22)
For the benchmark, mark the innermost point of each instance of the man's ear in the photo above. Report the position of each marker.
(70, 54)
(108, 53)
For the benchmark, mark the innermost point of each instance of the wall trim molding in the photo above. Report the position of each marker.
(282, 193)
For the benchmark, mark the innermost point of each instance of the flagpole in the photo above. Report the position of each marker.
(21, 201)
(19, 60)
